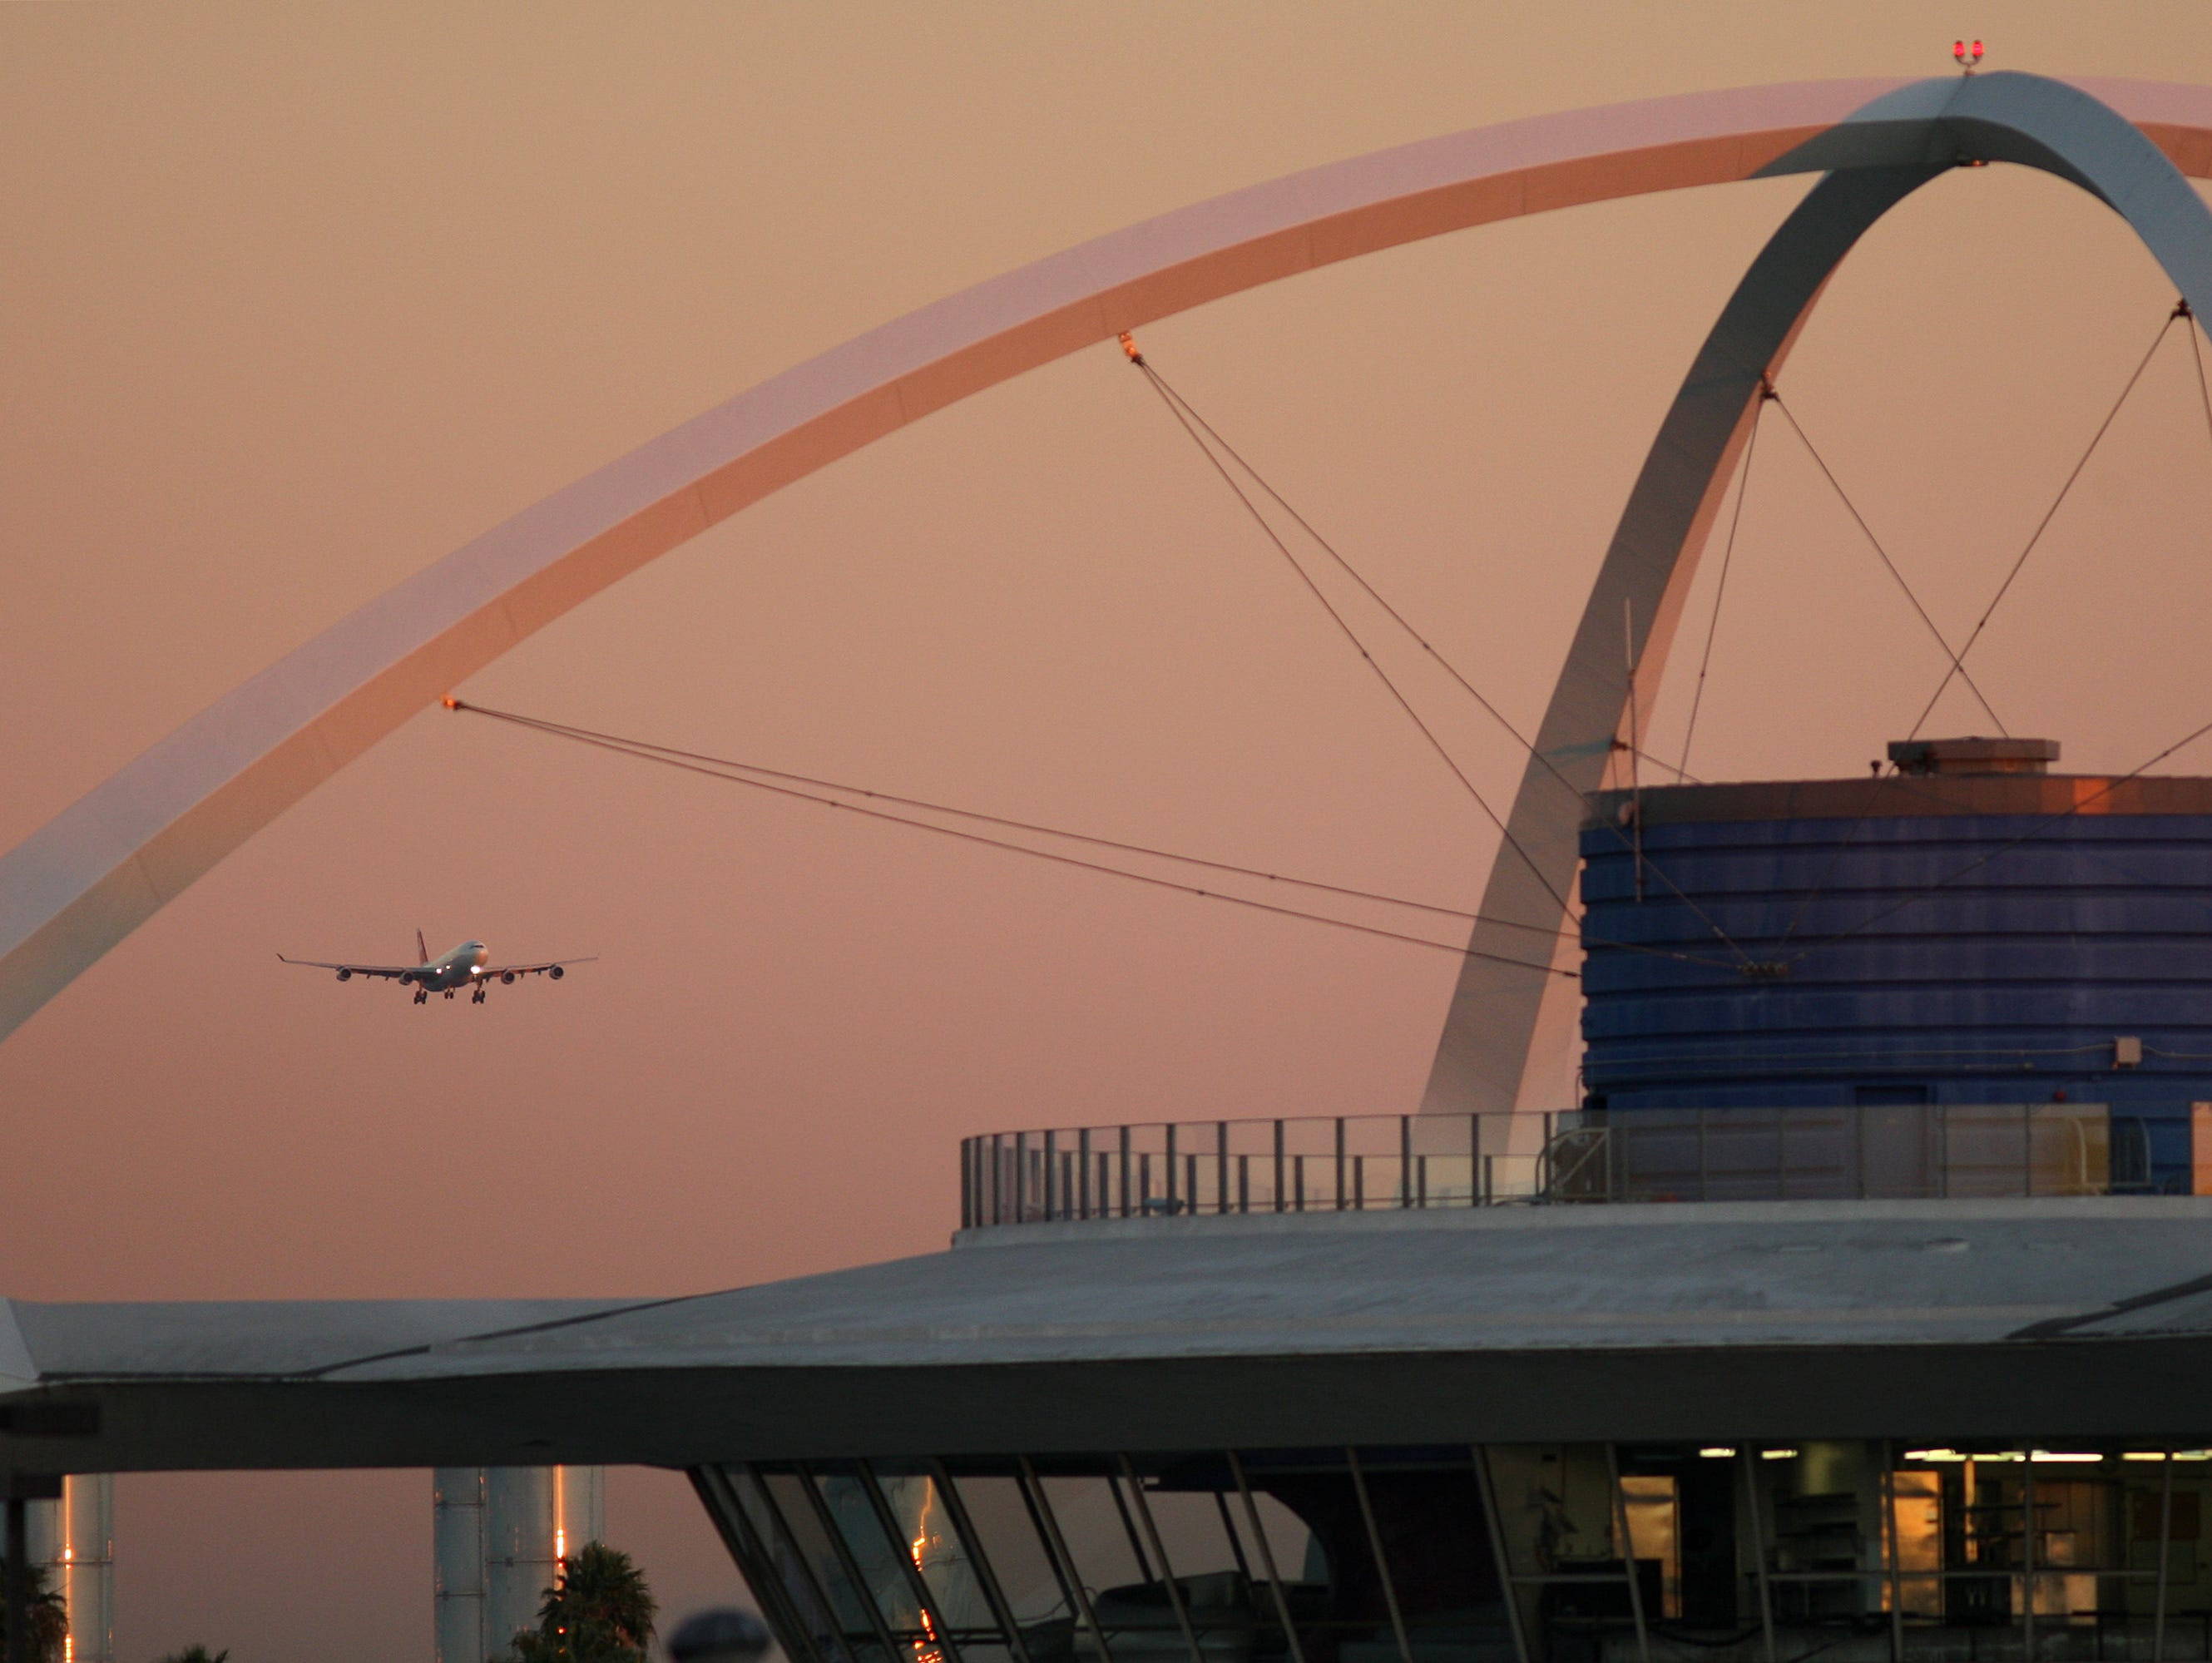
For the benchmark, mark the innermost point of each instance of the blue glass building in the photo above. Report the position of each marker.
(1968, 929)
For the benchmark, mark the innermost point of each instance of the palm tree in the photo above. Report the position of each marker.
(49, 1618)
(599, 1611)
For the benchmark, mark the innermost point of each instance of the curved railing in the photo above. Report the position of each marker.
(1394, 1163)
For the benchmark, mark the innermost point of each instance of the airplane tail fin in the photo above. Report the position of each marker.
(421, 949)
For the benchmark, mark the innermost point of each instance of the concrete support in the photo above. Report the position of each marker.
(71, 1538)
(457, 1556)
(80, 1562)
(500, 1533)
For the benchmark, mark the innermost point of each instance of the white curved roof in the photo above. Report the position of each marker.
(2083, 1317)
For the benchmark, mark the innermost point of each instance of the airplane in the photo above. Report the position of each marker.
(448, 974)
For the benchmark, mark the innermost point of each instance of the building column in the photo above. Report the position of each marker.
(500, 1532)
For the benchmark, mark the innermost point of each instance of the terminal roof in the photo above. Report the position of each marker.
(2085, 1316)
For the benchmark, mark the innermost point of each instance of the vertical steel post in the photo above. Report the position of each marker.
(1405, 1162)
(1267, 1559)
(995, 1595)
(1021, 1176)
(1340, 1163)
(1159, 1552)
(2164, 1557)
(1628, 1555)
(1889, 1539)
(1221, 1157)
(1278, 1164)
(1502, 1560)
(1082, 1159)
(1051, 1160)
(1125, 1172)
(755, 1561)
(797, 1567)
(1748, 1458)
(1382, 1559)
(1171, 1167)
(841, 1551)
(909, 1561)
(1041, 1515)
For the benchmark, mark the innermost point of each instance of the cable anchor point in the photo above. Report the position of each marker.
(1967, 54)
(1767, 390)
(2182, 308)
(1129, 349)
(450, 702)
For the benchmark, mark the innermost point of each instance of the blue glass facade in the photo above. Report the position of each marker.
(1891, 946)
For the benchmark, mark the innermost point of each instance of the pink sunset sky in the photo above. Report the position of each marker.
(295, 301)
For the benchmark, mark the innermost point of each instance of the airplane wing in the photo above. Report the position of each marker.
(551, 967)
(344, 970)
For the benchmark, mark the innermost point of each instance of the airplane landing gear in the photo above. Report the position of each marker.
(476, 997)
(449, 993)
(422, 996)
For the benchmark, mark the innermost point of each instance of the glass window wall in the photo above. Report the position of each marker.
(1849, 1550)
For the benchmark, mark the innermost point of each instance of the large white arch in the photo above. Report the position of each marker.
(1883, 153)
(83, 882)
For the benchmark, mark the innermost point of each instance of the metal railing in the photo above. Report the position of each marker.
(1393, 1162)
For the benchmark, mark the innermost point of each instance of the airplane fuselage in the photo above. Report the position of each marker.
(457, 968)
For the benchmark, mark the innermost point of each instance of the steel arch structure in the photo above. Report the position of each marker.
(1877, 158)
(77, 886)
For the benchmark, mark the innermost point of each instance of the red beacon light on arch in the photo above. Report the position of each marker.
(1967, 54)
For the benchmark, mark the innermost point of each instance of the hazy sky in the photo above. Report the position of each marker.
(293, 302)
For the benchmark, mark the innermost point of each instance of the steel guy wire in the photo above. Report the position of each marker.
(647, 750)
(619, 747)
(1195, 425)
(1345, 628)
(1727, 559)
(1959, 662)
(1889, 565)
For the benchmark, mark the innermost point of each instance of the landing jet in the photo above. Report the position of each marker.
(448, 974)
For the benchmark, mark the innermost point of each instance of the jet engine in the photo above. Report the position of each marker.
(345, 975)
(556, 973)
(508, 976)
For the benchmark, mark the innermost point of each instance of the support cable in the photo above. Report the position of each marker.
(2042, 826)
(1345, 628)
(1958, 668)
(647, 750)
(622, 748)
(1958, 663)
(2203, 391)
(1200, 431)
(1162, 385)
(1888, 564)
(1727, 559)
